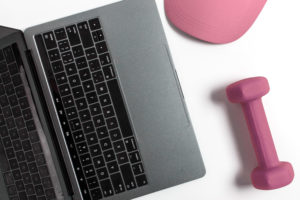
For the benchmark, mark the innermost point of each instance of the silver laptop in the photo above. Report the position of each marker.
(91, 108)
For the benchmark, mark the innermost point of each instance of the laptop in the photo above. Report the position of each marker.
(91, 108)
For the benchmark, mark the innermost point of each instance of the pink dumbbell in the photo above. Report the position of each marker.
(270, 173)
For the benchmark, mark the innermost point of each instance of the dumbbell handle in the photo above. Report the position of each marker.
(260, 133)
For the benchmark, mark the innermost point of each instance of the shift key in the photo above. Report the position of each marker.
(128, 177)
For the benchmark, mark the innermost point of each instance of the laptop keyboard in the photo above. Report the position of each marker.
(91, 109)
(22, 161)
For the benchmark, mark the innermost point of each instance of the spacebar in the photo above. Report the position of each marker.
(120, 109)
(4, 165)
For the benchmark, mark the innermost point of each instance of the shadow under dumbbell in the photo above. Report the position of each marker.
(241, 137)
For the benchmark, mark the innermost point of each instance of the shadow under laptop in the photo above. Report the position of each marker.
(241, 137)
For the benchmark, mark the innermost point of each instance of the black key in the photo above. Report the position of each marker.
(12, 190)
(108, 111)
(23, 134)
(141, 180)
(102, 132)
(112, 123)
(49, 40)
(95, 149)
(39, 190)
(92, 97)
(78, 51)
(105, 144)
(96, 194)
(13, 164)
(92, 182)
(23, 103)
(43, 170)
(85, 74)
(119, 146)
(78, 136)
(86, 159)
(3, 130)
(10, 122)
(63, 46)
(98, 162)
(4, 164)
(71, 113)
(105, 59)
(98, 35)
(101, 88)
(9, 89)
(115, 134)
(37, 148)
(67, 57)
(20, 154)
(9, 55)
(74, 80)
(81, 63)
(36, 178)
(57, 66)
(89, 171)
(68, 101)
(47, 183)
(2, 120)
(2, 90)
(71, 69)
(88, 127)
(134, 157)
(109, 72)
(7, 142)
(32, 167)
(128, 176)
(10, 153)
(8, 178)
(29, 156)
(50, 194)
(32, 197)
(34, 137)
(109, 155)
(20, 122)
(78, 92)
(91, 139)
(120, 108)
(94, 65)
(54, 55)
(98, 77)
(30, 125)
(17, 145)
(105, 100)
(20, 185)
(26, 145)
(4, 101)
(3, 67)
(13, 69)
(13, 100)
(20, 91)
(101, 47)
(95, 109)
(130, 144)
(113, 167)
(40, 159)
(60, 34)
(94, 24)
(23, 167)
(81, 104)
(122, 158)
(73, 35)
(75, 124)
(85, 34)
(61, 78)
(64, 90)
(106, 188)
(99, 120)
(6, 78)
(102, 173)
(27, 178)
(82, 148)
(88, 86)
(91, 53)
(23, 196)
(117, 183)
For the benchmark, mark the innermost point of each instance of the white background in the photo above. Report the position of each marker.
(271, 48)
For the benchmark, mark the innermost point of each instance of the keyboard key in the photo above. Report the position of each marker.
(102, 132)
(23, 134)
(73, 35)
(54, 55)
(99, 121)
(20, 91)
(112, 123)
(2, 120)
(36, 178)
(82, 148)
(11, 190)
(130, 144)
(50, 194)
(109, 155)
(141, 180)
(13, 69)
(118, 183)
(6, 78)
(30, 125)
(39, 190)
(43, 170)
(68, 101)
(106, 188)
(37, 148)
(40, 159)
(81, 104)
(95, 109)
(29, 156)
(20, 122)
(63, 46)
(86, 159)
(122, 158)
(85, 34)
(101, 47)
(75, 124)
(92, 182)
(96, 194)
(98, 36)
(89, 171)
(23, 167)
(98, 77)
(26, 178)
(61, 78)
(113, 167)
(9, 55)
(108, 111)
(23, 103)
(95, 149)
(49, 40)
(105, 59)
(119, 146)
(67, 57)
(94, 24)
(98, 162)
(47, 183)
(10, 153)
(64, 90)
(13, 164)
(4, 101)
(105, 100)
(102, 173)
(78, 51)
(8, 178)
(88, 127)
(91, 138)
(71, 69)
(71, 113)
(34, 137)
(78, 92)
(88, 86)
(115, 134)
(13, 100)
(128, 177)
(3, 67)
(81, 63)
(78, 136)
(85, 74)
(91, 53)
(94, 65)
(105, 144)
(60, 34)
(74, 80)
(134, 157)
(32, 167)
(92, 97)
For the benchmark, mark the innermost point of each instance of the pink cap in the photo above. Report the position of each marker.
(215, 21)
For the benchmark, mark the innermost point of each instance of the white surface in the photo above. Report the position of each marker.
(271, 48)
